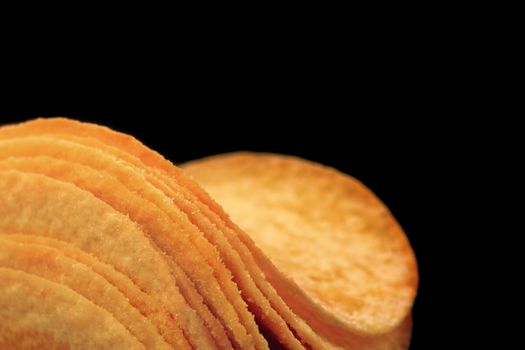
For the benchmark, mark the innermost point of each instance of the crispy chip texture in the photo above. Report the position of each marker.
(36, 313)
(327, 231)
(51, 264)
(315, 262)
(127, 191)
(39, 205)
(144, 303)
(269, 309)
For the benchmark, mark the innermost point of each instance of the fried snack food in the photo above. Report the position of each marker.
(38, 314)
(144, 303)
(324, 228)
(227, 293)
(127, 191)
(39, 205)
(52, 265)
(259, 305)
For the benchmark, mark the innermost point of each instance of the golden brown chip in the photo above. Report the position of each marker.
(39, 205)
(110, 190)
(325, 229)
(259, 305)
(146, 304)
(170, 230)
(52, 265)
(335, 239)
(38, 314)
(237, 250)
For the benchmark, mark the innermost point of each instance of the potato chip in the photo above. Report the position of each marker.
(259, 305)
(325, 229)
(328, 321)
(39, 205)
(171, 230)
(187, 247)
(38, 314)
(51, 264)
(150, 307)
(251, 269)
(110, 190)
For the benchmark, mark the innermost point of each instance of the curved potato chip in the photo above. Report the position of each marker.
(335, 239)
(103, 187)
(38, 314)
(42, 206)
(52, 265)
(171, 230)
(111, 191)
(259, 305)
(150, 307)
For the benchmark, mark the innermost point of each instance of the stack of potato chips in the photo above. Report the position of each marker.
(104, 244)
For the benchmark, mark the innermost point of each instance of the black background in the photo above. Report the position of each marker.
(425, 107)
